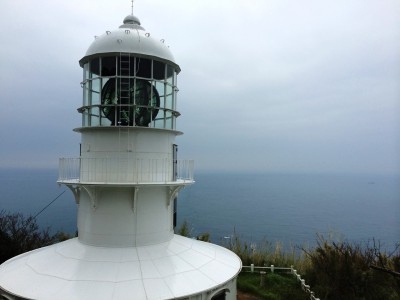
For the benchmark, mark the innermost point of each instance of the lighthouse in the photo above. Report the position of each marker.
(125, 183)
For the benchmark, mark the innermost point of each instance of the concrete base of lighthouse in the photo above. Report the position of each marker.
(179, 268)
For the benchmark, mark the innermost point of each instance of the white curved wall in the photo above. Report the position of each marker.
(113, 217)
(143, 142)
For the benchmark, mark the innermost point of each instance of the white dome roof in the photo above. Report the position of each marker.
(130, 38)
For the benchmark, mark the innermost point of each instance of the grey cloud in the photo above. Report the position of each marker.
(265, 85)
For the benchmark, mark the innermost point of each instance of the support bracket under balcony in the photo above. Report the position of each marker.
(134, 199)
(93, 193)
(173, 192)
(76, 191)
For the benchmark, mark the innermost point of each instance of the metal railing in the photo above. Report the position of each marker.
(124, 171)
(306, 288)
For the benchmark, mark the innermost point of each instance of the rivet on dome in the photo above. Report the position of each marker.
(108, 32)
(147, 34)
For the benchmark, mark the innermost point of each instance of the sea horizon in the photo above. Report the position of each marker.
(261, 206)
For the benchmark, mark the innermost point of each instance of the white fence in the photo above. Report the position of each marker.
(291, 270)
(124, 171)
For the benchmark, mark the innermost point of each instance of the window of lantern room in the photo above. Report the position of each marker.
(125, 90)
(84, 84)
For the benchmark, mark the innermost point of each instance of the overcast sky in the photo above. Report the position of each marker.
(266, 86)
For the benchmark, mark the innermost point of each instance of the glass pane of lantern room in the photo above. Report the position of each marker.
(104, 121)
(169, 99)
(168, 120)
(160, 90)
(95, 67)
(132, 66)
(159, 122)
(143, 67)
(85, 84)
(170, 74)
(85, 93)
(95, 92)
(85, 118)
(94, 116)
(108, 66)
(108, 100)
(158, 70)
(85, 71)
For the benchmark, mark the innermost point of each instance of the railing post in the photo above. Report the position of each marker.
(59, 169)
(262, 278)
(272, 268)
(252, 268)
(79, 169)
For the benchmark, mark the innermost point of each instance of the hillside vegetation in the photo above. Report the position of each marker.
(334, 269)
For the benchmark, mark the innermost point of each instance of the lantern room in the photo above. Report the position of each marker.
(129, 79)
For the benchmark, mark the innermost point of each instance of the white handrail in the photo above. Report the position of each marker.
(306, 288)
(119, 170)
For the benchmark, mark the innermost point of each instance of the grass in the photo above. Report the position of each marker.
(267, 253)
(277, 286)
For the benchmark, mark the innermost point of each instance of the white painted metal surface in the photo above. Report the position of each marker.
(128, 156)
(71, 270)
(130, 38)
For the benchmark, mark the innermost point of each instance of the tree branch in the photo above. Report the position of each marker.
(391, 272)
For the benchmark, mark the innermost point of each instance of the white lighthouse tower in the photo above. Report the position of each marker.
(125, 184)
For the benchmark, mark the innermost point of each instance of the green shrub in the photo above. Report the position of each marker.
(333, 269)
(19, 234)
(340, 270)
(186, 231)
(267, 254)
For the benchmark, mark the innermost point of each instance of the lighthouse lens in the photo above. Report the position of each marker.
(127, 103)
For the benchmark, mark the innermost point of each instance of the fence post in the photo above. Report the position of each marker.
(272, 268)
(252, 268)
(262, 278)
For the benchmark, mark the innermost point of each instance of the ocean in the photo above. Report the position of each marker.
(293, 208)
(287, 208)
